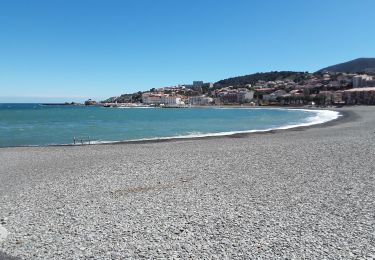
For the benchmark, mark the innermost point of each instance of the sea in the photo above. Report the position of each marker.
(40, 125)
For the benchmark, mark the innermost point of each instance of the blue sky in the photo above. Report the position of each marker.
(57, 50)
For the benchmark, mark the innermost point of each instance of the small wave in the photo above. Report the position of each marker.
(322, 116)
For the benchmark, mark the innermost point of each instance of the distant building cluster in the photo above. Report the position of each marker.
(329, 88)
(180, 95)
(322, 89)
(197, 94)
(359, 96)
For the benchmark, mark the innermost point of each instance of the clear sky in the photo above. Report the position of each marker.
(57, 50)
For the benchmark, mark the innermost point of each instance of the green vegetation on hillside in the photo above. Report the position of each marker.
(241, 81)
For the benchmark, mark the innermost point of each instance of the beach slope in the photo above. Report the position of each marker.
(299, 193)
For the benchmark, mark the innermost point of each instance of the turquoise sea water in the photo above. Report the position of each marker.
(35, 124)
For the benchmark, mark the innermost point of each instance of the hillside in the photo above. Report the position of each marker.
(353, 66)
(253, 78)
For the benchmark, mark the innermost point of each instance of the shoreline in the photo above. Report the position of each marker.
(234, 134)
(343, 115)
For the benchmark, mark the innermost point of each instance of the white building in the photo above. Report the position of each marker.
(200, 100)
(236, 96)
(273, 96)
(245, 96)
(159, 99)
(361, 80)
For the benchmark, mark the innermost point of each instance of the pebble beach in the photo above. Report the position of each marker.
(303, 193)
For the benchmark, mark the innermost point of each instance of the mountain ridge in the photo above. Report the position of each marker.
(360, 65)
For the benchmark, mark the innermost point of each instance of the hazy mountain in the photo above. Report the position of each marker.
(353, 66)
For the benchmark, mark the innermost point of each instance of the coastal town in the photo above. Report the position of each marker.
(284, 89)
